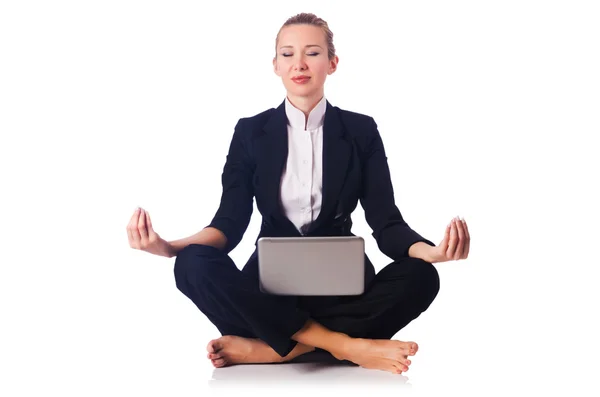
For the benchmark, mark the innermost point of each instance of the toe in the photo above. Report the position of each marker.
(397, 368)
(211, 346)
(414, 347)
(402, 352)
(214, 356)
(409, 348)
(400, 366)
(214, 346)
(220, 362)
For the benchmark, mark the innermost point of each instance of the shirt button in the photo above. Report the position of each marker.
(305, 162)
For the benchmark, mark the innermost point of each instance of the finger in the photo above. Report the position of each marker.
(131, 225)
(130, 237)
(467, 240)
(142, 227)
(149, 224)
(134, 218)
(461, 239)
(453, 241)
(133, 232)
(148, 221)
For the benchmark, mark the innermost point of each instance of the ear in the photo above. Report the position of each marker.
(333, 64)
(276, 67)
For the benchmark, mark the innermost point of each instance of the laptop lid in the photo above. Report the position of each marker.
(311, 265)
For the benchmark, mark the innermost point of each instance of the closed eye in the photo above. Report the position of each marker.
(312, 54)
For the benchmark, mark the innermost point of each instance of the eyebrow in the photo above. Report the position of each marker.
(310, 45)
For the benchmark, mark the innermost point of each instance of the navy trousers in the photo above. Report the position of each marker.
(232, 300)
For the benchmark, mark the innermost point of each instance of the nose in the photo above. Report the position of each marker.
(299, 63)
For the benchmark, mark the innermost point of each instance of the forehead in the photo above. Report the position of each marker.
(301, 35)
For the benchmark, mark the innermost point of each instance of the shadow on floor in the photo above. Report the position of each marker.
(318, 368)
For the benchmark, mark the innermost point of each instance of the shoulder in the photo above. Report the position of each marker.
(350, 116)
(358, 125)
(249, 128)
(256, 121)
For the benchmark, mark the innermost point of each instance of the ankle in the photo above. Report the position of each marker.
(261, 349)
(298, 350)
(344, 347)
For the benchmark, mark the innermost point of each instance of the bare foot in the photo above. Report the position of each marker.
(230, 349)
(383, 354)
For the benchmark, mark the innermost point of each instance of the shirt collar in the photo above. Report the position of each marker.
(297, 119)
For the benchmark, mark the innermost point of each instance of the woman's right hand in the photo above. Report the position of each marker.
(144, 238)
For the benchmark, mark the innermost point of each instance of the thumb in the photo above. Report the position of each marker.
(444, 244)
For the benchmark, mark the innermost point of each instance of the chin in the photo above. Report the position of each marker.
(302, 91)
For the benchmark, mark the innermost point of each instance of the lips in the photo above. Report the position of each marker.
(300, 79)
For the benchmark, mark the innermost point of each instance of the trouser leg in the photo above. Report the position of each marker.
(233, 301)
(399, 293)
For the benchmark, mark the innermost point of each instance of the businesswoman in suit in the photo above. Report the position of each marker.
(307, 163)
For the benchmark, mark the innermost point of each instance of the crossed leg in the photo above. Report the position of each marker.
(353, 328)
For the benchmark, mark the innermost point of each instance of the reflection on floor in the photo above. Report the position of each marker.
(316, 369)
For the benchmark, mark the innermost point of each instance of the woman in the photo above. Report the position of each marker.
(307, 163)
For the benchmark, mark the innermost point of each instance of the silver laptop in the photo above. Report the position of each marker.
(311, 265)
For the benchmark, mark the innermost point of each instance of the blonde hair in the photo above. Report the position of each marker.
(310, 19)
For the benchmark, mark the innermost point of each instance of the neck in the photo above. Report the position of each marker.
(305, 103)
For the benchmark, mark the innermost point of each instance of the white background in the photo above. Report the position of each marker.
(488, 110)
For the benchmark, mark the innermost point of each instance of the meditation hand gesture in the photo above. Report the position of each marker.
(455, 245)
(143, 237)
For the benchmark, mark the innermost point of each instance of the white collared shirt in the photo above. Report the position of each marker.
(302, 178)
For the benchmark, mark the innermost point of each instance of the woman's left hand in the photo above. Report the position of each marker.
(455, 245)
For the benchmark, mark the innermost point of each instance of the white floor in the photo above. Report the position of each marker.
(301, 374)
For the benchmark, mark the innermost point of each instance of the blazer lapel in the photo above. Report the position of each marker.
(273, 156)
(336, 155)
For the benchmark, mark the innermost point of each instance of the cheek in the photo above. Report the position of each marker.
(321, 72)
(283, 65)
(320, 68)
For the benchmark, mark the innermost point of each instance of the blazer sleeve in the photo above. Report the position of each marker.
(393, 235)
(235, 210)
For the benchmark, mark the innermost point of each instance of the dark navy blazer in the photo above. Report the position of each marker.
(354, 168)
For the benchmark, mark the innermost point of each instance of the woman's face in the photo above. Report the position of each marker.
(302, 51)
